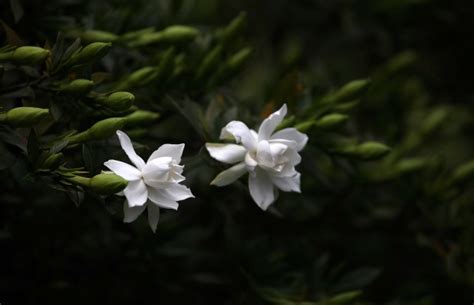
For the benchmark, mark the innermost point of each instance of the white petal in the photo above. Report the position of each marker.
(264, 154)
(250, 162)
(175, 151)
(269, 124)
(131, 214)
(153, 216)
(127, 146)
(136, 193)
(158, 197)
(177, 192)
(240, 132)
(261, 189)
(124, 170)
(230, 175)
(288, 184)
(227, 153)
(157, 169)
(292, 134)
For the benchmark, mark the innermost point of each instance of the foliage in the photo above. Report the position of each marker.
(386, 211)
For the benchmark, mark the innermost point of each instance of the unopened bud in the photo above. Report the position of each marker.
(141, 117)
(137, 133)
(464, 173)
(98, 36)
(53, 161)
(105, 128)
(24, 116)
(305, 126)
(78, 86)
(91, 52)
(238, 59)
(210, 61)
(231, 65)
(139, 78)
(234, 27)
(118, 101)
(331, 121)
(29, 55)
(178, 33)
(365, 151)
(107, 184)
(347, 106)
(172, 34)
(434, 120)
(347, 93)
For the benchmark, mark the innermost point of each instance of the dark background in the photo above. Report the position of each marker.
(394, 240)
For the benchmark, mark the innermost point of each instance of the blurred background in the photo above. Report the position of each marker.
(398, 230)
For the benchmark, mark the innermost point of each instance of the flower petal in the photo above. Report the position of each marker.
(230, 175)
(175, 151)
(131, 213)
(250, 162)
(288, 184)
(177, 192)
(240, 132)
(261, 189)
(269, 124)
(153, 216)
(127, 146)
(136, 193)
(264, 154)
(227, 153)
(157, 169)
(292, 134)
(158, 197)
(124, 170)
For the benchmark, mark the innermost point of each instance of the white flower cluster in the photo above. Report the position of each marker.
(269, 157)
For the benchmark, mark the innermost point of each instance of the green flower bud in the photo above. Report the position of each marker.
(141, 117)
(209, 62)
(347, 106)
(434, 120)
(80, 86)
(105, 128)
(29, 55)
(137, 133)
(178, 33)
(53, 161)
(139, 78)
(238, 59)
(463, 173)
(398, 63)
(107, 184)
(234, 27)
(231, 65)
(118, 101)
(331, 121)
(172, 34)
(409, 165)
(98, 36)
(305, 126)
(24, 116)
(91, 52)
(347, 93)
(133, 35)
(365, 151)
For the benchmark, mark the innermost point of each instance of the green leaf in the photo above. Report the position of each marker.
(33, 147)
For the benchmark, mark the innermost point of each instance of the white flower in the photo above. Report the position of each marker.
(154, 184)
(270, 158)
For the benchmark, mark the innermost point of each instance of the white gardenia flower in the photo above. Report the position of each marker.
(270, 158)
(152, 185)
